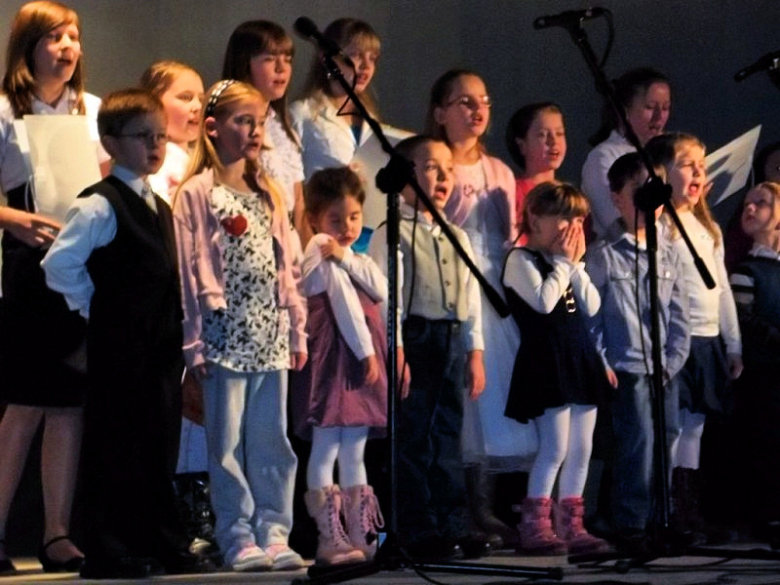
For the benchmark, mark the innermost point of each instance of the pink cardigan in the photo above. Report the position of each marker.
(200, 264)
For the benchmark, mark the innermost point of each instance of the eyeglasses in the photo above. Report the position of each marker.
(147, 137)
(471, 102)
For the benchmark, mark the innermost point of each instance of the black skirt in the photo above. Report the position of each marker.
(41, 340)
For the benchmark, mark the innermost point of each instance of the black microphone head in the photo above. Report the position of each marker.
(305, 27)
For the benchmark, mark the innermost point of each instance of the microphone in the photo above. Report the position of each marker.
(306, 29)
(768, 62)
(568, 18)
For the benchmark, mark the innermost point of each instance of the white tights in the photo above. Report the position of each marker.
(565, 444)
(346, 444)
(689, 446)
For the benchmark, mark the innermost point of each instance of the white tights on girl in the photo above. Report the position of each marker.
(346, 444)
(565, 444)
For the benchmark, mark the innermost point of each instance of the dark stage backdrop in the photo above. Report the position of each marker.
(699, 44)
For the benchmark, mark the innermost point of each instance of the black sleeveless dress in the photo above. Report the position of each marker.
(557, 362)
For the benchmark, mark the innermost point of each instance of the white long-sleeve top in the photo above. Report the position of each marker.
(542, 294)
(90, 224)
(595, 184)
(335, 279)
(713, 311)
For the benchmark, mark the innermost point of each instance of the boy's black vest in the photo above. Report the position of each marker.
(135, 312)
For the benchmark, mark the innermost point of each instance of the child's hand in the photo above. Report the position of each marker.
(403, 373)
(192, 398)
(612, 378)
(332, 249)
(579, 251)
(571, 243)
(475, 374)
(370, 369)
(735, 365)
(298, 360)
(200, 372)
(34, 230)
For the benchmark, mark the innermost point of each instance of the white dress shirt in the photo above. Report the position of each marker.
(90, 224)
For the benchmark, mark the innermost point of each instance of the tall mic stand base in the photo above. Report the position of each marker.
(627, 561)
(391, 557)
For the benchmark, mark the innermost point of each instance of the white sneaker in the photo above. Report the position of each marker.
(284, 558)
(251, 558)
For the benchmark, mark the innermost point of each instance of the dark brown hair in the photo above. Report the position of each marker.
(329, 185)
(249, 39)
(519, 124)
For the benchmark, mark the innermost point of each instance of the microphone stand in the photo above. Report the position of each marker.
(652, 194)
(391, 556)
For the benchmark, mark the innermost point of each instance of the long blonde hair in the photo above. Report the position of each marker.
(222, 99)
(342, 32)
(663, 150)
(33, 22)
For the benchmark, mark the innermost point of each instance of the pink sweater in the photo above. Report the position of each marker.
(200, 264)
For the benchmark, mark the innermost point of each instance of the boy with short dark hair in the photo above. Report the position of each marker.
(442, 346)
(115, 262)
(618, 267)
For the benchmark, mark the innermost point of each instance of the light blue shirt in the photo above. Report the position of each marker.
(621, 336)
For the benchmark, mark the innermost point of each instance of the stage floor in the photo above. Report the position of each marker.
(682, 570)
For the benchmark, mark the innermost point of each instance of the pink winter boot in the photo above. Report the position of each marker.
(535, 528)
(333, 545)
(568, 524)
(363, 518)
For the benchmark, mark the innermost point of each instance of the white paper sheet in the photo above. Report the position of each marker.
(63, 161)
(728, 168)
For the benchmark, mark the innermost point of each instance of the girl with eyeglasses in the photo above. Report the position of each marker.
(483, 204)
(559, 378)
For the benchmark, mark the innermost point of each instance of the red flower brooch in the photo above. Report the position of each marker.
(235, 226)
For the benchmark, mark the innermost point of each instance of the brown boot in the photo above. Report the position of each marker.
(333, 545)
(535, 528)
(363, 518)
(570, 528)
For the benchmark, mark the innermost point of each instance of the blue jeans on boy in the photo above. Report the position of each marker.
(632, 422)
(251, 462)
(431, 479)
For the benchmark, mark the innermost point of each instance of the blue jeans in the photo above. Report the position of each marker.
(431, 480)
(251, 463)
(632, 422)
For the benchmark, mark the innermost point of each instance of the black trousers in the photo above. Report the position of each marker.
(131, 432)
(432, 493)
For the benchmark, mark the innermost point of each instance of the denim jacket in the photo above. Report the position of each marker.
(624, 344)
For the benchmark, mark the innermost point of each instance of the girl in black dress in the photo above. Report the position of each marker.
(558, 377)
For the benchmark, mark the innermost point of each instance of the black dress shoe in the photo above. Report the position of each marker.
(187, 563)
(434, 549)
(474, 545)
(7, 568)
(120, 568)
(50, 565)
